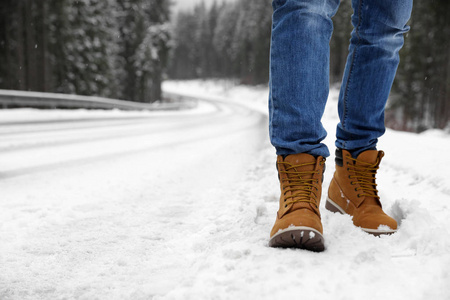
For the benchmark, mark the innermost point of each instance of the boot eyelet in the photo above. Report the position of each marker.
(285, 206)
(284, 200)
(356, 189)
(359, 195)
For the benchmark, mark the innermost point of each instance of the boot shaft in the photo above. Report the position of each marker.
(357, 177)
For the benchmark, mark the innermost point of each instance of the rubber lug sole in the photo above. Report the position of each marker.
(299, 237)
(334, 207)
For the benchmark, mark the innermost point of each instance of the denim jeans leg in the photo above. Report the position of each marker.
(372, 62)
(299, 74)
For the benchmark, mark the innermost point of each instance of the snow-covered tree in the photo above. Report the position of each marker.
(230, 40)
(223, 40)
(252, 40)
(144, 40)
(83, 46)
(113, 48)
(183, 58)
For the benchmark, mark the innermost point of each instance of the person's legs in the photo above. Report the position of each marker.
(299, 74)
(372, 62)
(299, 80)
(377, 37)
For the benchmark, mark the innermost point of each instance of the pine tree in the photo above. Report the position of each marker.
(223, 40)
(340, 40)
(82, 47)
(23, 45)
(228, 40)
(144, 41)
(252, 40)
(420, 98)
(183, 56)
(194, 54)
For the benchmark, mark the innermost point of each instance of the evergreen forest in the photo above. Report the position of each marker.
(110, 48)
(125, 48)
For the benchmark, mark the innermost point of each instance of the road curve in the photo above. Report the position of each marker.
(96, 204)
(30, 145)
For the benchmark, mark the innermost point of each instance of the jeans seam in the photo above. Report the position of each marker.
(352, 66)
(274, 106)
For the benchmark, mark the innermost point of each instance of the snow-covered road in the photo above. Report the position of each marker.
(179, 205)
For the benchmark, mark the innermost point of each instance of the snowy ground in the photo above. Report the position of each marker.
(179, 205)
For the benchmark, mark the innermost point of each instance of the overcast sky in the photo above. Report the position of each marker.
(186, 4)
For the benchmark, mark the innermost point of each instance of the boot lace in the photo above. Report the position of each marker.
(300, 183)
(365, 175)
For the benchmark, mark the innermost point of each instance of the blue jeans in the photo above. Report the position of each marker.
(299, 73)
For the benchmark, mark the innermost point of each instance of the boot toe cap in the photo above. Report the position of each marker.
(298, 218)
(376, 223)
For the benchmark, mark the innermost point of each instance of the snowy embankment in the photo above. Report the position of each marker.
(179, 205)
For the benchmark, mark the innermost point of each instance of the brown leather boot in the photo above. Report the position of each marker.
(353, 191)
(298, 222)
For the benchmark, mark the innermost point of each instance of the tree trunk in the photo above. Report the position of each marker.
(41, 50)
(30, 47)
(20, 50)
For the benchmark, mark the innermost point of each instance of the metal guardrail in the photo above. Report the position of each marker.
(12, 98)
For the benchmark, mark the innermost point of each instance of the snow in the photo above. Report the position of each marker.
(179, 205)
(384, 228)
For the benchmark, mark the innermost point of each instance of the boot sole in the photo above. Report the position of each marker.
(334, 207)
(299, 237)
